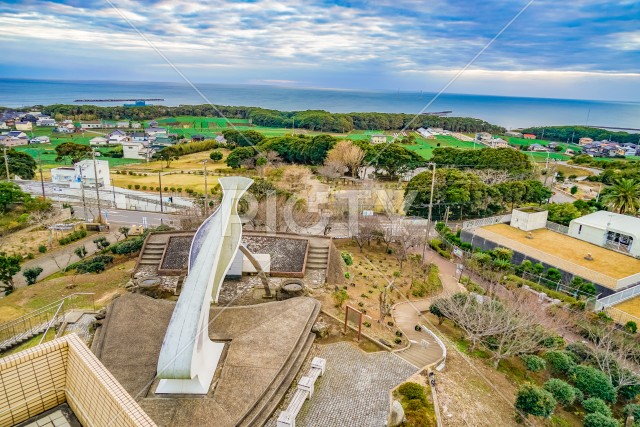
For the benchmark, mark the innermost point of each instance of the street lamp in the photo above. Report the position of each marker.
(206, 198)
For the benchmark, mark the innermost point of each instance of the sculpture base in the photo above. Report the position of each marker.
(207, 363)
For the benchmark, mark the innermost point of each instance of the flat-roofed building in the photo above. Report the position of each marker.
(609, 230)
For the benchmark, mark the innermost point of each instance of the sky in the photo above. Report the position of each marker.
(580, 49)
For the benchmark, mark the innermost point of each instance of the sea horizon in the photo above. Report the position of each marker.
(508, 111)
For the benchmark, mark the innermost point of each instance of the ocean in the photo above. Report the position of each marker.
(510, 112)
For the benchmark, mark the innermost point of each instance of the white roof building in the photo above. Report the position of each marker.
(82, 172)
(609, 230)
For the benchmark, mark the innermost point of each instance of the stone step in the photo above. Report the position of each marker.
(317, 257)
(156, 244)
(154, 250)
(274, 394)
(149, 262)
(148, 255)
(323, 249)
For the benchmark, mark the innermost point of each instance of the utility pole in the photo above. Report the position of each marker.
(433, 183)
(99, 219)
(206, 198)
(160, 182)
(6, 163)
(41, 178)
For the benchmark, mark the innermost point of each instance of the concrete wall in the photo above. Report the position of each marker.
(64, 370)
(528, 220)
(587, 233)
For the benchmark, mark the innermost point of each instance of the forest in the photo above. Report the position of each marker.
(316, 120)
(574, 133)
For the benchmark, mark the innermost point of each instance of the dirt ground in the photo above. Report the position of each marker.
(28, 240)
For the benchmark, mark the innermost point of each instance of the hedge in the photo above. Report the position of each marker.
(76, 235)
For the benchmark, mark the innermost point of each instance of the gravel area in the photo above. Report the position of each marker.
(177, 253)
(287, 255)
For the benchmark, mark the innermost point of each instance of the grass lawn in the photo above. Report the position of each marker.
(425, 147)
(104, 285)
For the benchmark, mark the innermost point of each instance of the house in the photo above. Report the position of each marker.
(163, 140)
(99, 140)
(117, 137)
(537, 147)
(137, 150)
(11, 141)
(28, 126)
(40, 140)
(153, 124)
(483, 136)
(83, 173)
(138, 136)
(498, 143)
(198, 137)
(67, 128)
(94, 124)
(46, 121)
(107, 124)
(136, 125)
(378, 139)
(609, 230)
(585, 140)
(123, 124)
(153, 131)
(3, 125)
(514, 134)
(221, 139)
(529, 136)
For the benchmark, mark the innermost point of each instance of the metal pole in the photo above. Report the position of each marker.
(160, 182)
(206, 198)
(100, 220)
(6, 163)
(426, 237)
(41, 178)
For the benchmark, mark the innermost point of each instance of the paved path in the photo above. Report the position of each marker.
(354, 390)
(423, 349)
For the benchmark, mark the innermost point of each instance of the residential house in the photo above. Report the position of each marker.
(585, 140)
(14, 139)
(221, 139)
(99, 140)
(26, 126)
(153, 131)
(610, 230)
(537, 147)
(164, 140)
(153, 124)
(483, 136)
(83, 173)
(46, 121)
(529, 136)
(137, 150)
(93, 124)
(123, 124)
(378, 139)
(138, 136)
(108, 124)
(514, 134)
(136, 125)
(40, 140)
(497, 143)
(198, 137)
(117, 137)
(66, 128)
(3, 125)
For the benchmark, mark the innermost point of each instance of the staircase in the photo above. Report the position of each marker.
(23, 336)
(274, 394)
(423, 349)
(318, 257)
(152, 253)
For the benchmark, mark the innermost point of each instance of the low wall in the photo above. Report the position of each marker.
(64, 370)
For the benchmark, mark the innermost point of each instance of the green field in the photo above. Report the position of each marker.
(425, 147)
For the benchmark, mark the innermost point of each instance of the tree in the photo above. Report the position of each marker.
(363, 230)
(167, 155)
(624, 196)
(347, 154)
(295, 178)
(215, 155)
(533, 363)
(80, 251)
(340, 297)
(125, 231)
(74, 152)
(101, 243)
(535, 400)
(239, 155)
(20, 164)
(9, 265)
(574, 189)
(562, 213)
(562, 391)
(593, 382)
(599, 420)
(594, 404)
(11, 194)
(393, 160)
(31, 274)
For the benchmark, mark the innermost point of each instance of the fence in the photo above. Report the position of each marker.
(558, 228)
(618, 297)
(44, 316)
(621, 317)
(560, 287)
(483, 222)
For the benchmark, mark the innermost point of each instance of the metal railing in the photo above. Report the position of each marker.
(558, 228)
(45, 316)
(483, 222)
(618, 297)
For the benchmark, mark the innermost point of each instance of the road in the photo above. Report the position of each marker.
(127, 217)
(594, 171)
(561, 197)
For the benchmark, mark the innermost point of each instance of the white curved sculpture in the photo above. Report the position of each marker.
(188, 358)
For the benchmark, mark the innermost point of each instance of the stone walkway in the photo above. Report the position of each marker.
(423, 349)
(354, 390)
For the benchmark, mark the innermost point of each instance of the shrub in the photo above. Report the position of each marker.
(631, 327)
(96, 264)
(101, 242)
(136, 186)
(599, 420)
(340, 297)
(593, 383)
(559, 362)
(347, 258)
(76, 235)
(42, 249)
(80, 251)
(215, 156)
(594, 405)
(412, 391)
(562, 391)
(31, 274)
(128, 246)
(535, 400)
(632, 409)
(144, 187)
(347, 275)
(129, 186)
(580, 352)
(533, 363)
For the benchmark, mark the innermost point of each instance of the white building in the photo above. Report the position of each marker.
(117, 137)
(378, 139)
(46, 121)
(40, 140)
(82, 172)
(153, 131)
(24, 126)
(122, 124)
(609, 230)
(96, 124)
(137, 150)
(99, 140)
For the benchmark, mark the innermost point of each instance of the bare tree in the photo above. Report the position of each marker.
(491, 176)
(331, 169)
(363, 230)
(348, 154)
(407, 237)
(295, 178)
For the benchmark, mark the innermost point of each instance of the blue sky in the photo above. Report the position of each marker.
(585, 49)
